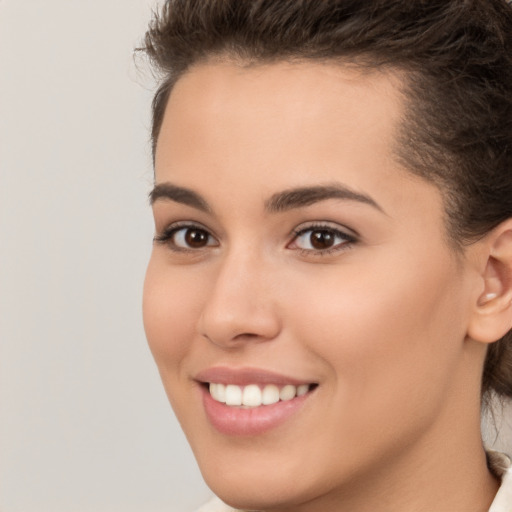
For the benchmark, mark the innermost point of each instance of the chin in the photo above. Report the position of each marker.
(262, 495)
(248, 480)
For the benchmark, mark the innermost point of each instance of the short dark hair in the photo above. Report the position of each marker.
(455, 57)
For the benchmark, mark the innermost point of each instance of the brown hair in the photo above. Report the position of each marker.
(456, 56)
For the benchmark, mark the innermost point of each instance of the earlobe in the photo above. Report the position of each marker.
(492, 315)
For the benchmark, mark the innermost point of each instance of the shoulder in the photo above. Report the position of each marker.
(501, 466)
(216, 505)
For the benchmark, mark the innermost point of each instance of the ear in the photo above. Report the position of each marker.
(492, 314)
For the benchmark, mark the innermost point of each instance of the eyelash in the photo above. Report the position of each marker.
(348, 240)
(166, 238)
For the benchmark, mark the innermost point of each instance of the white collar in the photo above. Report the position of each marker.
(501, 465)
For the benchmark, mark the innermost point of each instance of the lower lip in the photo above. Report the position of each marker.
(238, 421)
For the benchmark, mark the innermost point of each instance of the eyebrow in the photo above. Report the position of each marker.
(305, 196)
(279, 202)
(179, 195)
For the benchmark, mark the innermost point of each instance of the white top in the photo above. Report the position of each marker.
(500, 464)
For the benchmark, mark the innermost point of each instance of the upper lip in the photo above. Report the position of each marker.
(245, 376)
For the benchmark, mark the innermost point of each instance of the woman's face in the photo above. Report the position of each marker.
(294, 255)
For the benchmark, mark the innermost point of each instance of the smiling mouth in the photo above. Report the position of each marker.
(254, 395)
(251, 401)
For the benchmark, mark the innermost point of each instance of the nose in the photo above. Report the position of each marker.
(240, 305)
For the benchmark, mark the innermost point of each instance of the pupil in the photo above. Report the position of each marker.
(321, 239)
(196, 238)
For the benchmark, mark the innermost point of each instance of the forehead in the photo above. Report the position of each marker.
(265, 128)
(286, 83)
(281, 102)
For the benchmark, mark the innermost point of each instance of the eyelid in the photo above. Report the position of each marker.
(327, 225)
(348, 235)
(166, 235)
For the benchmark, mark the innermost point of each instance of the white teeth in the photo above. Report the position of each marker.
(218, 392)
(288, 392)
(301, 390)
(221, 392)
(233, 395)
(253, 396)
(270, 395)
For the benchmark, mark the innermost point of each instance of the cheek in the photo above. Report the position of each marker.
(170, 313)
(388, 333)
(389, 347)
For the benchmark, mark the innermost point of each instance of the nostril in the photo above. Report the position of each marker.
(227, 336)
(234, 341)
(246, 335)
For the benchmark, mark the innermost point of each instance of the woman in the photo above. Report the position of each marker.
(329, 295)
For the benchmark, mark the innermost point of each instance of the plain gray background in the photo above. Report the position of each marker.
(84, 422)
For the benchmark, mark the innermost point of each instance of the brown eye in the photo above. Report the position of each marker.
(321, 239)
(196, 238)
(189, 237)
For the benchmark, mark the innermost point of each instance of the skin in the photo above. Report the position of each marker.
(382, 323)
